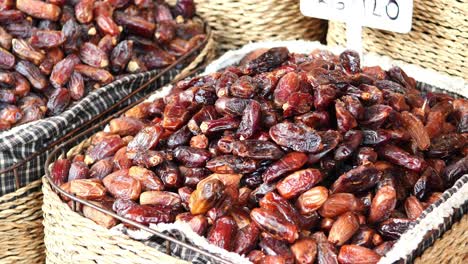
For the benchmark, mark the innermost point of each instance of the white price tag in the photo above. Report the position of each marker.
(392, 15)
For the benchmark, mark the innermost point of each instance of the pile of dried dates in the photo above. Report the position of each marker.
(53, 52)
(284, 158)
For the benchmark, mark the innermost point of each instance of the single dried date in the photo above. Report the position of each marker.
(256, 149)
(39, 9)
(298, 182)
(296, 137)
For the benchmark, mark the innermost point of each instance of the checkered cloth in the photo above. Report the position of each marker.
(15, 147)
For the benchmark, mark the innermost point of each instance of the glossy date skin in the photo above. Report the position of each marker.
(312, 159)
(83, 45)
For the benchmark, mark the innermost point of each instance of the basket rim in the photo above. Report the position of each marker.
(84, 202)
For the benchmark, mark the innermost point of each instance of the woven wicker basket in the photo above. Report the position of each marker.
(72, 238)
(438, 39)
(21, 229)
(450, 248)
(84, 237)
(237, 22)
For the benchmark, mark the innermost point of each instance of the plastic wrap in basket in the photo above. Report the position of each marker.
(23, 150)
(236, 23)
(438, 39)
(433, 222)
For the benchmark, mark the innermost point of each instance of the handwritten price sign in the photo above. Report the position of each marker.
(392, 15)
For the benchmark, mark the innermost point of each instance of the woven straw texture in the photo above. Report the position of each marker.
(21, 229)
(438, 39)
(237, 22)
(71, 238)
(450, 248)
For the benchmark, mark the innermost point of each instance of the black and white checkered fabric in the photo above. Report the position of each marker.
(34, 137)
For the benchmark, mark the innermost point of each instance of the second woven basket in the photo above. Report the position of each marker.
(438, 39)
(238, 22)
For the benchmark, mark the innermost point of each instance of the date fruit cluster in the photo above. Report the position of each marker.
(284, 158)
(54, 52)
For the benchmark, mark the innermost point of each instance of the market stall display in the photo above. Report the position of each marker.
(286, 156)
(24, 148)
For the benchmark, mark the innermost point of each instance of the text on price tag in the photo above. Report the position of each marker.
(392, 15)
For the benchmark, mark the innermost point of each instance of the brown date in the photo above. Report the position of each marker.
(24, 50)
(135, 24)
(59, 171)
(198, 223)
(98, 217)
(121, 55)
(326, 252)
(223, 233)
(147, 178)
(63, 70)
(231, 164)
(192, 157)
(101, 169)
(78, 170)
(246, 239)
(170, 174)
(46, 39)
(416, 129)
(345, 119)
(32, 73)
(84, 11)
(413, 207)
(298, 182)
(345, 226)
(393, 228)
(312, 200)
(146, 139)
(299, 138)
(267, 61)
(105, 147)
(120, 160)
(122, 186)
(257, 149)
(103, 18)
(305, 250)
(356, 254)
(161, 198)
(339, 203)
(217, 125)
(53, 56)
(125, 126)
(146, 214)
(39, 9)
(250, 122)
(287, 85)
(93, 56)
(58, 101)
(400, 157)
(275, 203)
(358, 179)
(288, 163)
(275, 225)
(89, 189)
(206, 195)
(383, 204)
